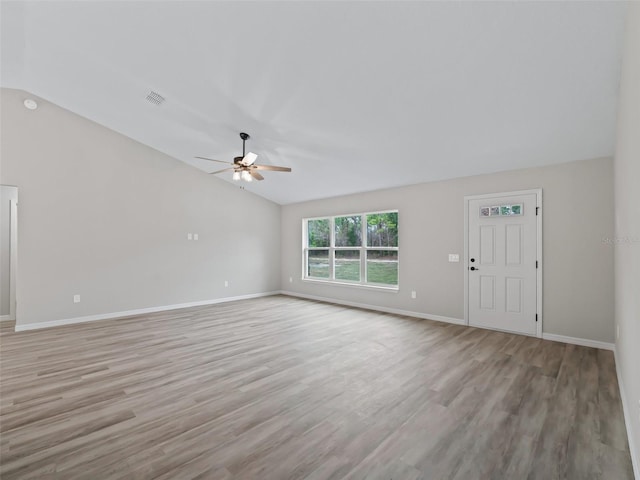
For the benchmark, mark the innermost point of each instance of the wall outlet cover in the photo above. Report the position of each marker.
(76, 299)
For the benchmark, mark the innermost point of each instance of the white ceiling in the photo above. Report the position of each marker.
(354, 96)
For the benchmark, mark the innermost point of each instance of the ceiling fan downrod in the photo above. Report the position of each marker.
(244, 137)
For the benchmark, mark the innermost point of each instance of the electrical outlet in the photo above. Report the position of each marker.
(290, 279)
(76, 299)
(413, 294)
(195, 236)
(226, 283)
(189, 236)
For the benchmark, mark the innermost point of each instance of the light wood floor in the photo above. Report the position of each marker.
(278, 388)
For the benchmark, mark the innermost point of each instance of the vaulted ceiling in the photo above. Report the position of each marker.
(354, 96)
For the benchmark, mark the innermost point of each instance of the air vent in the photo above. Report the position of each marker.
(155, 98)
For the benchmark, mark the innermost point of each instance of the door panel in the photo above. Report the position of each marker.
(487, 244)
(487, 292)
(502, 264)
(513, 295)
(513, 244)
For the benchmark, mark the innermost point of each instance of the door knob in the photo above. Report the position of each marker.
(473, 268)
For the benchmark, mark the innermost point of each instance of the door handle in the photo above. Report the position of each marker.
(473, 268)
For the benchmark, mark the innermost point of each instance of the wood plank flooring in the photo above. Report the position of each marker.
(283, 388)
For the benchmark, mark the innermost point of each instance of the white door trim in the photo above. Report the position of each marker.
(13, 265)
(538, 194)
(13, 249)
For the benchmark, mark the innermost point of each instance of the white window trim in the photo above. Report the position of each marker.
(363, 249)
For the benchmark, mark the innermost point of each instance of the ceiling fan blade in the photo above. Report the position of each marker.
(256, 175)
(272, 168)
(223, 170)
(214, 160)
(249, 158)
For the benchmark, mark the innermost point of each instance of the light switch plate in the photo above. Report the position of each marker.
(195, 236)
(454, 257)
(76, 299)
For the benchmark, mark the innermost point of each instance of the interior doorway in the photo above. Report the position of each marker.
(8, 251)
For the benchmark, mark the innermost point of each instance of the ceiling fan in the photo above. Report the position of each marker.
(244, 167)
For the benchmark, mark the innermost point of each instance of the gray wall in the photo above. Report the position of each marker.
(627, 227)
(578, 265)
(106, 217)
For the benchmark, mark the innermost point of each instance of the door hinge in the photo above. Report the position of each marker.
(536, 263)
(537, 209)
(536, 317)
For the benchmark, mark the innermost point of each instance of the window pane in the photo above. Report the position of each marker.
(347, 265)
(382, 267)
(318, 233)
(382, 229)
(318, 263)
(348, 231)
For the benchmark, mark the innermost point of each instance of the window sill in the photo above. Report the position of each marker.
(377, 288)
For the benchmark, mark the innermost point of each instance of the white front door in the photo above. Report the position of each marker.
(502, 263)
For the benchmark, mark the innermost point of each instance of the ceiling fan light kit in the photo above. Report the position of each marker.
(244, 167)
(249, 158)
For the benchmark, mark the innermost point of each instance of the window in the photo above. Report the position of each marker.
(361, 249)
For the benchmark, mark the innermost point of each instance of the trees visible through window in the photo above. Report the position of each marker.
(360, 248)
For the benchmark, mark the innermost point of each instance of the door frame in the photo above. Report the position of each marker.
(13, 255)
(538, 194)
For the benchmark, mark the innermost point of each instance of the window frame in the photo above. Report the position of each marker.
(364, 249)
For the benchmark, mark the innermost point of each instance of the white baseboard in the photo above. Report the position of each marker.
(5, 318)
(397, 311)
(139, 311)
(635, 461)
(585, 342)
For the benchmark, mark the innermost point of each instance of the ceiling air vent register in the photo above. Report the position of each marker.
(155, 98)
